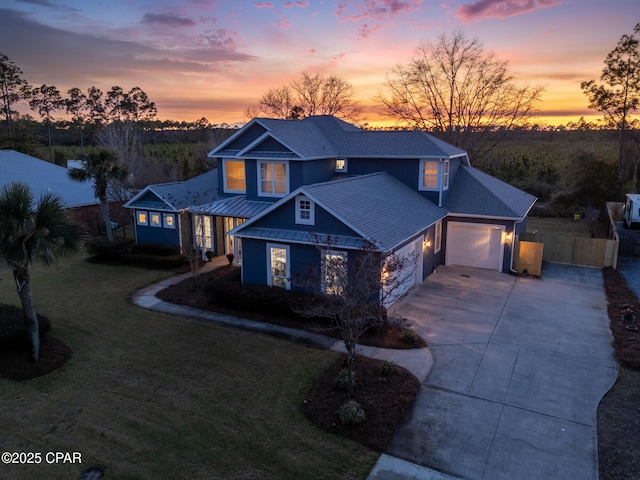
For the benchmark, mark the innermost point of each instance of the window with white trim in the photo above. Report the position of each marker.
(341, 165)
(234, 176)
(429, 172)
(169, 220)
(278, 266)
(333, 280)
(272, 179)
(142, 218)
(434, 175)
(305, 210)
(445, 174)
(437, 244)
(155, 220)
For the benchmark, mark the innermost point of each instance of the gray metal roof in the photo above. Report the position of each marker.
(296, 236)
(237, 206)
(175, 196)
(43, 177)
(378, 206)
(326, 136)
(475, 193)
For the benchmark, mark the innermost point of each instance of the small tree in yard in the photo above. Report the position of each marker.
(32, 232)
(103, 168)
(350, 289)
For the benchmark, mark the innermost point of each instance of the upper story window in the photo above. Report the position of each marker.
(429, 175)
(272, 179)
(341, 165)
(234, 177)
(305, 211)
(434, 175)
(445, 174)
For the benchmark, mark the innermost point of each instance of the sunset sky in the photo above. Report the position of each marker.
(213, 58)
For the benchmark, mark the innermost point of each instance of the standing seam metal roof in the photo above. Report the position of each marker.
(327, 136)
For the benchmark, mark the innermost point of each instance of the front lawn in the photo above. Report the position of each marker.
(149, 395)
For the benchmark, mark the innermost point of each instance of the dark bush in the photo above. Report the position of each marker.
(12, 328)
(227, 291)
(102, 249)
(158, 249)
(154, 261)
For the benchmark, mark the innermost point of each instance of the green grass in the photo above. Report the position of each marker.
(149, 395)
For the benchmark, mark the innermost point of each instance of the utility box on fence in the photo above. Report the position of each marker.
(527, 258)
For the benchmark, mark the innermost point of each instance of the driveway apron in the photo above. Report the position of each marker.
(520, 365)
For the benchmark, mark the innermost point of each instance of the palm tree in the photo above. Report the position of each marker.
(34, 232)
(102, 167)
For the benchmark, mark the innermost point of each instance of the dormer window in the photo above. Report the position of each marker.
(305, 211)
(434, 175)
(341, 165)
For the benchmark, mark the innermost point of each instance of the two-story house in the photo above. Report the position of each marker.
(288, 188)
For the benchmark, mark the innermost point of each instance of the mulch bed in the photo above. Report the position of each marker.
(186, 293)
(15, 364)
(385, 400)
(619, 410)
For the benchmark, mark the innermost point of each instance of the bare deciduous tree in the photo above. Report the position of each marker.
(459, 92)
(350, 289)
(311, 94)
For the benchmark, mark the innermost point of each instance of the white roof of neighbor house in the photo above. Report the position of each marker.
(43, 177)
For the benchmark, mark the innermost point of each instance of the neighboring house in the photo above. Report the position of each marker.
(44, 177)
(288, 187)
(162, 215)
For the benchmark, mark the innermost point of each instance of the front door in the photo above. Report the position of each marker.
(232, 244)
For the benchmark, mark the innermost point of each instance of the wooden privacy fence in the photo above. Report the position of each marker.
(562, 248)
(527, 258)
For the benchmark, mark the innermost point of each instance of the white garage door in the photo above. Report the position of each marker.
(474, 245)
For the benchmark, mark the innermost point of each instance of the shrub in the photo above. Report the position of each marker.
(12, 328)
(351, 413)
(409, 337)
(227, 290)
(388, 368)
(157, 249)
(154, 261)
(342, 379)
(102, 249)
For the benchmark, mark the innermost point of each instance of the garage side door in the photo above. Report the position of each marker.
(474, 245)
(403, 280)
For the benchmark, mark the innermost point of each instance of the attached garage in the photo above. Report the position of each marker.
(408, 276)
(475, 245)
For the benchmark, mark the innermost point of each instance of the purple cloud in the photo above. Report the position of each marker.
(378, 10)
(264, 5)
(482, 9)
(167, 19)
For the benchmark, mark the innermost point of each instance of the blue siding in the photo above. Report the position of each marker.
(301, 258)
(167, 236)
(284, 218)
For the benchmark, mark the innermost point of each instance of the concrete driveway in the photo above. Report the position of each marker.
(520, 365)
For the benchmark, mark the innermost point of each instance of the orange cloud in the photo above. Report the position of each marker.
(483, 9)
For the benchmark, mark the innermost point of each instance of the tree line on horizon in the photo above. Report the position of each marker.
(452, 89)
